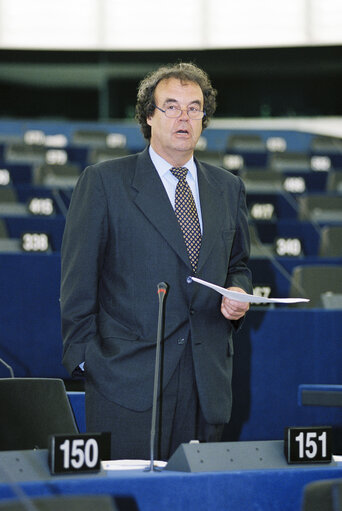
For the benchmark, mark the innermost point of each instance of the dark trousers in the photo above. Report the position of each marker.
(179, 418)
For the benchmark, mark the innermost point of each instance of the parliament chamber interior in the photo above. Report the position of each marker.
(287, 361)
(69, 75)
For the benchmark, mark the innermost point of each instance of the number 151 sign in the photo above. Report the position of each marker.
(308, 444)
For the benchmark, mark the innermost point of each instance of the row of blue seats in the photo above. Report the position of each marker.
(285, 204)
(248, 157)
(33, 200)
(256, 148)
(271, 273)
(46, 231)
(216, 137)
(262, 206)
(11, 153)
(310, 181)
(282, 238)
(278, 212)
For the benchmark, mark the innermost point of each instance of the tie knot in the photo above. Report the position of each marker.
(179, 172)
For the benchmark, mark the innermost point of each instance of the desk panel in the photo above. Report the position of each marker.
(275, 352)
(235, 491)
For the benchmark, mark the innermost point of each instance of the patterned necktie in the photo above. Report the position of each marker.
(186, 213)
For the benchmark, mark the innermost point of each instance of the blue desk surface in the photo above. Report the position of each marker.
(266, 490)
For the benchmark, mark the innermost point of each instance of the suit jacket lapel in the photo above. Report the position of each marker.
(212, 214)
(153, 201)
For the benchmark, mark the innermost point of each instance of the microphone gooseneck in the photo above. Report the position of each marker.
(162, 291)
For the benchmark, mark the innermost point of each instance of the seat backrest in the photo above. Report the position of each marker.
(63, 503)
(211, 157)
(246, 142)
(262, 180)
(31, 410)
(311, 207)
(324, 143)
(3, 229)
(323, 496)
(8, 194)
(331, 241)
(20, 152)
(90, 137)
(314, 281)
(46, 171)
(289, 161)
(334, 181)
(98, 155)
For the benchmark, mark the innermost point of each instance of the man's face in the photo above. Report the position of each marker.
(174, 139)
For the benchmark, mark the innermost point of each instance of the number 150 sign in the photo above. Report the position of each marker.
(77, 453)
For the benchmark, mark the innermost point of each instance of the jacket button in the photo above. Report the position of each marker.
(192, 312)
(181, 340)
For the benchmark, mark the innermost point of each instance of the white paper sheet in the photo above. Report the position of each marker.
(242, 297)
(130, 464)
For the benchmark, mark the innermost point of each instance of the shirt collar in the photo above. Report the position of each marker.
(163, 166)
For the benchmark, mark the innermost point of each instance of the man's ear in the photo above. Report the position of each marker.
(149, 120)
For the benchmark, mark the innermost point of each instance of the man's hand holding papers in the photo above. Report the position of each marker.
(237, 294)
(234, 309)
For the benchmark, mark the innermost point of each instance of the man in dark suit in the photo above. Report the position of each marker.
(128, 228)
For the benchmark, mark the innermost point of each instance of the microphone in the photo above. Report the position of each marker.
(162, 291)
(8, 367)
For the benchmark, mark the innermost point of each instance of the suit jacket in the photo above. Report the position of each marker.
(121, 239)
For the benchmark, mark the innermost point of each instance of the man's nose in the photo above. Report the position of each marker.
(184, 114)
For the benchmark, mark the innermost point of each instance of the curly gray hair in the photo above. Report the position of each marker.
(186, 72)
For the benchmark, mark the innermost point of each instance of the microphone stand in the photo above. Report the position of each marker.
(162, 290)
(8, 367)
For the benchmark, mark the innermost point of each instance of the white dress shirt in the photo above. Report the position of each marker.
(170, 181)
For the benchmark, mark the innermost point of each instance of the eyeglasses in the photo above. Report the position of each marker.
(174, 111)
